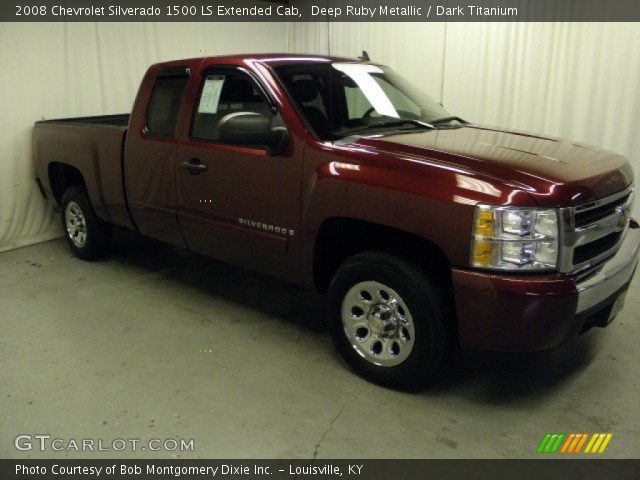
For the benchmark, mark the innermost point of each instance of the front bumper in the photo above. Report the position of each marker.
(536, 312)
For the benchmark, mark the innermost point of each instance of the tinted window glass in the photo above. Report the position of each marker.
(164, 105)
(309, 87)
(343, 99)
(220, 95)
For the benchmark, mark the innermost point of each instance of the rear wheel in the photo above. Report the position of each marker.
(88, 236)
(389, 319)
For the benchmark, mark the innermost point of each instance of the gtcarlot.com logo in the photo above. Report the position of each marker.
(44, 442)
(574, 443)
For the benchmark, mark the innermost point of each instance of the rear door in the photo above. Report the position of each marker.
(150, 169)
(237, 203)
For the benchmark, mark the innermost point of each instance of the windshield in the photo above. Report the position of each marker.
(341, 99)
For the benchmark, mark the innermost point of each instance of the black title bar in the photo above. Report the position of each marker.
(588, 469)
(320, 10)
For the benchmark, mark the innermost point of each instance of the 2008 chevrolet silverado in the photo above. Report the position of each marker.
(336, 174)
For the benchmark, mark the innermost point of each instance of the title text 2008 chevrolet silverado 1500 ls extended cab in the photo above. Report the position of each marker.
(338, 175)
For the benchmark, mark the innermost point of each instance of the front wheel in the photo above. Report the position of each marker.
(389, 320)
(88, 236)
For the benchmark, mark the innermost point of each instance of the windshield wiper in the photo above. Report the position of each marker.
(447, 120)
(396, 123)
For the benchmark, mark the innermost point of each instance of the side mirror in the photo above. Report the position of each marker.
(252, 130)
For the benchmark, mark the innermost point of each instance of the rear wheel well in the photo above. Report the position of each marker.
(340, 238)
(61, 177)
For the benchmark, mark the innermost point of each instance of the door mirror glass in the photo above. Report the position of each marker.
(252, 130)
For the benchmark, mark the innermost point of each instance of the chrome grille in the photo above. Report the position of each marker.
(592, 232)
(584, 253)
(589, 216)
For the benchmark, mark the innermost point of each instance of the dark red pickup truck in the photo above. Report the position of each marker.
(336, 174)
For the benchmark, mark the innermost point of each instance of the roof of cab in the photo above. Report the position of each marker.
(296, 58)
(270, 58)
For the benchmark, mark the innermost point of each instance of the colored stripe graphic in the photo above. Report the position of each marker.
(573, 443)
(598, 443)
(550, 443)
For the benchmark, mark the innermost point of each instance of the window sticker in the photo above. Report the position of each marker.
(210, 97)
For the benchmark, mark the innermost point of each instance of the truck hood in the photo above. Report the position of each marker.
(555, 171)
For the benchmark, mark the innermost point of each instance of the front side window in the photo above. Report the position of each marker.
(340, 99)
(221, 94)
(164, 104)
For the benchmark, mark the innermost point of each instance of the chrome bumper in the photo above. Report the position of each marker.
(612, 275)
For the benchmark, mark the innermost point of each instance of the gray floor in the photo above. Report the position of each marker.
(158, 343)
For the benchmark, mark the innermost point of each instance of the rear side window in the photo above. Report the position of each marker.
(164, 104)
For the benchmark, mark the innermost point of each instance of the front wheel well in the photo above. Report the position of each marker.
(340, 238)
(61, 177)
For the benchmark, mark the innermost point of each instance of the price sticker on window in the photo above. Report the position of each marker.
(210, 97)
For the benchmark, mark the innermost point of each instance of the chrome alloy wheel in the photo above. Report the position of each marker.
(378, 323)
(76, 224)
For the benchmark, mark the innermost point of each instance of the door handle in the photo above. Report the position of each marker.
(193, 166)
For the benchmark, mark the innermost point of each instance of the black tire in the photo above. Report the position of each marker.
(430, 311)
(98, 233)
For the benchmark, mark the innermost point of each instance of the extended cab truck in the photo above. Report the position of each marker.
(422, 228)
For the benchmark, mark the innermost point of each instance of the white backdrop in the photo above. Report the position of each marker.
(55, 70)
(575, 80)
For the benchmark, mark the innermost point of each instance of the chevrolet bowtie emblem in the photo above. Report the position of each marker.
(624, 212)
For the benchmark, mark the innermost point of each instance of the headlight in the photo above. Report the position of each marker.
(507, 238)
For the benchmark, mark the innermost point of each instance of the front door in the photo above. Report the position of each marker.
(237, 203)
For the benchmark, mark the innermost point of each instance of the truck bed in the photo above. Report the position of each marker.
(93, 146)
(120, 120)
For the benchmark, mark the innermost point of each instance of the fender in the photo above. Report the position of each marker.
(420, 196)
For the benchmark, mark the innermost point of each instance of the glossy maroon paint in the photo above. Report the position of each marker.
(93, 150)
(425, 183)
(513, 313)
